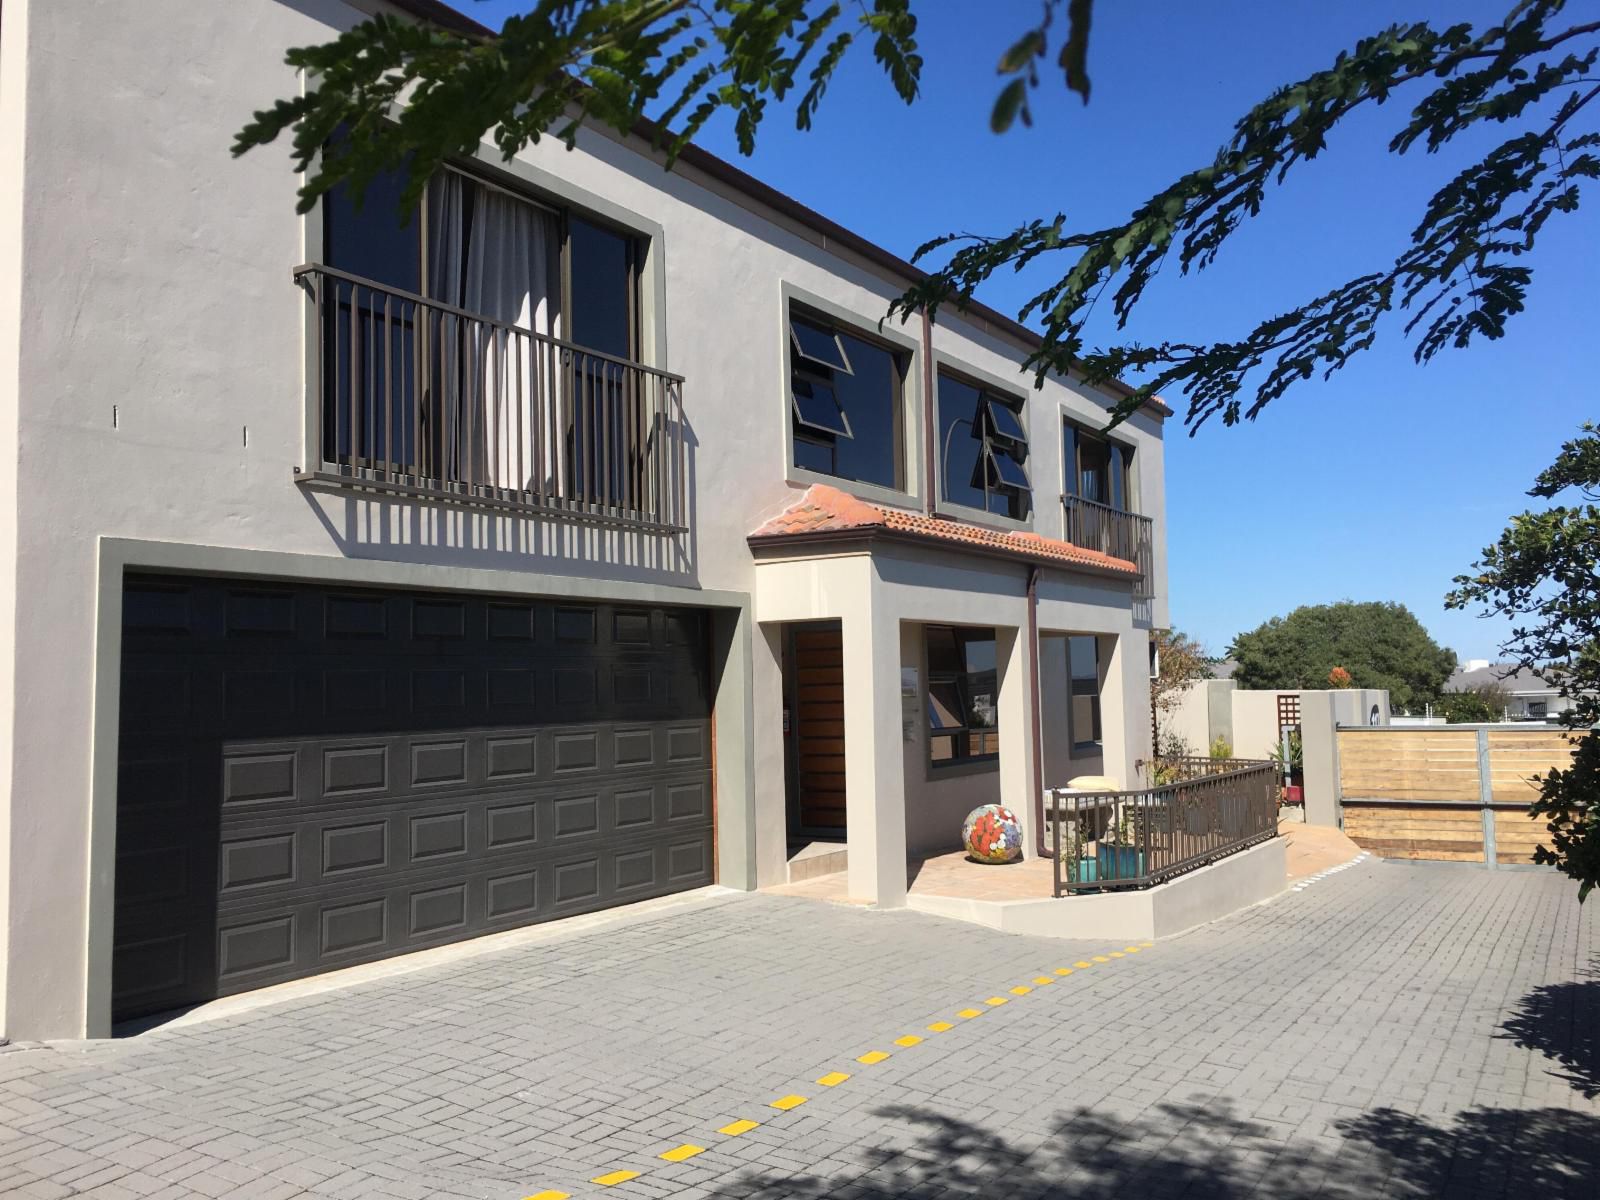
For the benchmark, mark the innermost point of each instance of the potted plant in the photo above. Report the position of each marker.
(1116, 854)
(1291, 769)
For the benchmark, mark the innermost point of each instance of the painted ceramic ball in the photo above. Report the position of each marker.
(992, 834)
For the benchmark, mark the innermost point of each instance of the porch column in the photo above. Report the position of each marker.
(874, 758)
(1120, 731)
(1019, 773)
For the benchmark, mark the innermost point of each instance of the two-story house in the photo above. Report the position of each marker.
(374, 584)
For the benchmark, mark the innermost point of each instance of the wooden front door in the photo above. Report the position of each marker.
(816, 707)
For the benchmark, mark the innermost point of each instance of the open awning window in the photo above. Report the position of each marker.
(816, 406)
(820, 347)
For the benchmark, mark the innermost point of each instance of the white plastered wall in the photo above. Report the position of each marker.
(153, 378)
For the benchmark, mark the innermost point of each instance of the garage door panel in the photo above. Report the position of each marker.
(312, 778)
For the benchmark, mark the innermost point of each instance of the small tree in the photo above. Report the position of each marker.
(1180, 661)
(1484, 703)
(1544, 574)
(1339, 678)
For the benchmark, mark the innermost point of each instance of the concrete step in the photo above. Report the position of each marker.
(808, 860)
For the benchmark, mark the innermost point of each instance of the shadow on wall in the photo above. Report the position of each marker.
(1562, 1022)
(1208, 1151)
(373, 525)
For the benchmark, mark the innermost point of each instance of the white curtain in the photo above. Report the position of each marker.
(501, 263)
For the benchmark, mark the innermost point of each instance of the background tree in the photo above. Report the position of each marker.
(412, 95)
(1180, 661)
(1380, 644)
(1544, 574)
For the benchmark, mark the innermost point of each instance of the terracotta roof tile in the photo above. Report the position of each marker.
(825, 509)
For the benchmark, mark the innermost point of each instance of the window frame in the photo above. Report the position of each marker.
(1121, 483)
(1073, 692)
(818, 310)
(990, 390)
(963, 761)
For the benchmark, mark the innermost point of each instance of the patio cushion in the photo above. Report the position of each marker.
(1093, 783)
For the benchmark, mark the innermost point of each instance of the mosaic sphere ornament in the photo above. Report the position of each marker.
(992, 834)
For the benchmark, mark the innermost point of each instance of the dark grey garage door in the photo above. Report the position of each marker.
(312, 777)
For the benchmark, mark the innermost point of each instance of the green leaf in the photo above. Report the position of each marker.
(1007, 104)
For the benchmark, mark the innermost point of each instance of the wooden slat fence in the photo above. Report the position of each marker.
(1454, 793)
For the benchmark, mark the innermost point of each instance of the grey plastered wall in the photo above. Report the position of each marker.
(1321, 714)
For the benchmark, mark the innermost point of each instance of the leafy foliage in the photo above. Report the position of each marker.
(1459, 279)
(1180, 661)
(1544, 574)
(412, 94)
(1486, 703)
(1380, 645)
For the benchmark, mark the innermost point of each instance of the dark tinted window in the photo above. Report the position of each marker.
(1083, 654)
(601, 313)
(963, 695)
(821, 346)
(1098, 469)
(869, 398)
(978, 469)
(371, 240)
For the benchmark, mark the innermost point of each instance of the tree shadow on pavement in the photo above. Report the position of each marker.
(1562, 1021)
(1193, 1151)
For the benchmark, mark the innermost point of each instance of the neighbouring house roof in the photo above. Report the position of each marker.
(825, 514)
(1513, 680)
(832, 232)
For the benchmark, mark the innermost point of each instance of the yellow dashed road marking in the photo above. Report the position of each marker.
(969, 1013)
(1063, 970)
(679, 1153)
(1043, 981)
(873, 1056)
(996, 1001)
(1021, 989)
(833, 1079)
(549, 1194)
(1118, 954)
(614, 1178)
(735, 1128)
(1101, 958)
(1083, 966)
(787, 1102)
(941, 1026)
(910, 1039)
(1131, 949)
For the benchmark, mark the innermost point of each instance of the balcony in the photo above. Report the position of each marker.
(413, 397)
(1125, 535)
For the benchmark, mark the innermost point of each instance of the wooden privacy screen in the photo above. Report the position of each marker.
(1450, 792)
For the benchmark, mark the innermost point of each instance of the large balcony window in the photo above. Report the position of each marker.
(983, 447)
(487, 350)
(1098, 500)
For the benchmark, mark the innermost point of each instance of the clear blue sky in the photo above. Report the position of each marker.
(1380, 484)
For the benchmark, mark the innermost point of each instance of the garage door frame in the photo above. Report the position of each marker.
(732, 708)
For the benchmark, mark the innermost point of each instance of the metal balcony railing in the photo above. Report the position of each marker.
(1115, 840)
(1125, 535)
(420, 398)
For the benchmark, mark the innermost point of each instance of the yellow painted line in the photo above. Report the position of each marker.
(1063, 970)
(873, 1056)
(1083, 966)
(615, 1177)
(1147, 945)
(996, 1001)
(680, 1153)
(941, 1026)
(1131, 949)
(1118, 954)
(1101, 958)
(735, 1128)
(549, 1194)
(1021, 989)
(969, 1013)
(785, 1103)
(910, 1039)
(833, 1079)
(1043, 981)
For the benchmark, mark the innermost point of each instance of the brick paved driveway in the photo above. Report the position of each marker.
(1391, 1029)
